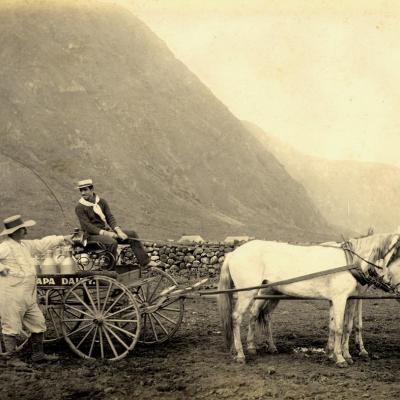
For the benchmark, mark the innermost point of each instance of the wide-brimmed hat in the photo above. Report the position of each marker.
(84, 183)
(14, 223)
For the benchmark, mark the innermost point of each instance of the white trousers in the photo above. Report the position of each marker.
(19, 308)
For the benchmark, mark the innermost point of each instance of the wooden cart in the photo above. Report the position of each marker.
(104, 314)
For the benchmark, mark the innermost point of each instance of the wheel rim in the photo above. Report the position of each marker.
(161, 324)
(109, 320)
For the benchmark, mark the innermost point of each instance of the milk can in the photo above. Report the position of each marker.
(49, 265)
(68, 264)
(37, 265)
(58, 255)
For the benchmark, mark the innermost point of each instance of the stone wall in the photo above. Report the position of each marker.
(190, 260)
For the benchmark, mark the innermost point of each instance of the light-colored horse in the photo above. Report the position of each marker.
(258, 262)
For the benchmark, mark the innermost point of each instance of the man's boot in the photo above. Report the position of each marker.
(38, 354)
(10, 344)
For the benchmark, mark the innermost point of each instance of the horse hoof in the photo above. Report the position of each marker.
(240, 360)
(364, 354)
(342, 364)
(272, 350)
(252, 351)
(349, 360)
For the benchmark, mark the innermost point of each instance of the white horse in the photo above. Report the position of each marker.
(258, 262)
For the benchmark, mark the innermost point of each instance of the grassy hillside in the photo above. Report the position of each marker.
(87, 90)
(354, 195)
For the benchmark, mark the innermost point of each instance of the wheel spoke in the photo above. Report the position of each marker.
(86, 335)
(79, 329)
(144, 326)
(172, 309)
(78, 310)
(89, 296)
(101, 342)
(54, 322)
(121, 329)
(106, 298)
(110, 343)
(122, 320)
(77, 319)
(114, 303)
(165, 317)
(160, 323)
(93, 341)
(153, 327)
(98, 294)
(150, 297)
(119, 311)
(82, 302)
(116, 337)
(141, 297)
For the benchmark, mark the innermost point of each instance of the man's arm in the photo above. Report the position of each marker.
(107, 212)
(39, 246)
(4, 253)
(86, 225)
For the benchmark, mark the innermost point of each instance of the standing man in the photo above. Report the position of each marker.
(99, 224)
(18, 303)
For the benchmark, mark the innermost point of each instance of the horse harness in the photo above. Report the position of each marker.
(370, 277)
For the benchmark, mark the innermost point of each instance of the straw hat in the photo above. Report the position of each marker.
(84, 183)
(14, 223)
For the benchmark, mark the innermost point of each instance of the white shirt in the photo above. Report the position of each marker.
(18, 256)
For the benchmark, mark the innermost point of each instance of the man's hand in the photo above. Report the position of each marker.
(121, 234)
(68, 239)
(5, 271)
(110, 234)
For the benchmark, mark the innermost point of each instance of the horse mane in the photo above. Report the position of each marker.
(374, 247)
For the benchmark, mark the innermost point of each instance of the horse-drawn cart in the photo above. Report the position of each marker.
(104, 314)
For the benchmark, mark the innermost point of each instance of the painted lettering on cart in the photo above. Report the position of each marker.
(45, 281)
(61, 280)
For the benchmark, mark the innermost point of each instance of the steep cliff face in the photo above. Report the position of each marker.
(87, 90)
(355, 195)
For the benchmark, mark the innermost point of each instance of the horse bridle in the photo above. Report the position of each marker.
(372, 278)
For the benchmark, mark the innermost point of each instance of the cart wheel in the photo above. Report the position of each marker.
(22, 340)
(51, 302)
(162, 321)
(107, 315)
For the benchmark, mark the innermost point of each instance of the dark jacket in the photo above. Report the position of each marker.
(90, 222)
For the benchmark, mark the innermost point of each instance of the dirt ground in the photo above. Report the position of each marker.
(196, 365)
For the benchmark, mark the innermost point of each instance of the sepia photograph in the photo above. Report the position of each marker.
(199, 199)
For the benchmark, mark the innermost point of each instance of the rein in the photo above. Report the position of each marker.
(283, 282)
(346, 246)
(371, 278)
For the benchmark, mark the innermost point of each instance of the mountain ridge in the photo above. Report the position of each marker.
(356, 195)
(87, 90)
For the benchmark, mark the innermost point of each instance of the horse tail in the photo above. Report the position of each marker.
(262, 317)
(225, 302)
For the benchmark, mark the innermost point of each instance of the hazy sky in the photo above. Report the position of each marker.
(324, 78)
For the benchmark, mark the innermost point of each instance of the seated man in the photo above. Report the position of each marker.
(99, 224)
